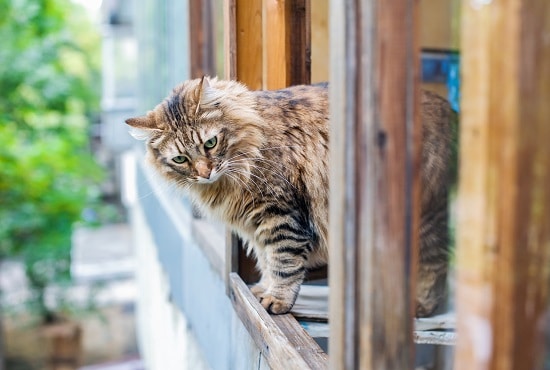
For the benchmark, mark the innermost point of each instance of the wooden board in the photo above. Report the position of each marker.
(243, 42)
(374, 182)
(503, 235)
(312, 303)
(281, 339)
(287, 51)
(445, 338)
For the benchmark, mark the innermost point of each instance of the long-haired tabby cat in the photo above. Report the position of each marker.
(257, 160)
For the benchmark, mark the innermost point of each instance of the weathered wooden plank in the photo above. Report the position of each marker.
(443, 321)
(312, 303)
(374, 182)
(435, 337)
(230, 38)
(446, 338)
(281, 339)
(503, 254)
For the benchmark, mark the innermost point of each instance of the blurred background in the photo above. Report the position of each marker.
(71, 184)
(67, 75)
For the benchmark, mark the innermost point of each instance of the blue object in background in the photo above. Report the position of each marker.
(442, 66)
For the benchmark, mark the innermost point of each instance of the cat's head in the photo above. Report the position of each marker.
(205, 131)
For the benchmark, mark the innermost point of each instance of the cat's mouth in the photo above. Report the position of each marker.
(213, 177)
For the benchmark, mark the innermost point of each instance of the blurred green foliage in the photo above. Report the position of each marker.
(49, 90)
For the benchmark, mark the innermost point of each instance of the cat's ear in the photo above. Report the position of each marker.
(204, 84)
(208, 96)
(142, 127)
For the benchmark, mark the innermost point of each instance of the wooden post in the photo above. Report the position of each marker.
(283, 56)
(244, 56)
(286, 43)
(374, 188)
(243, 42)
(503, 250)
(201, 35)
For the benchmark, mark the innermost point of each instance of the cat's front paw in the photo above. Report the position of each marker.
(257, 290)
(275, 305)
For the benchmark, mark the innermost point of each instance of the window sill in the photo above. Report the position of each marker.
(282, 340)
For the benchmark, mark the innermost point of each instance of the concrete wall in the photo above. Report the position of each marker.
(185, 319)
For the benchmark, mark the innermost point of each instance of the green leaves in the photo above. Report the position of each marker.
(49, 73)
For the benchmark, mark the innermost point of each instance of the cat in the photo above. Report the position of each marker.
(258, 161)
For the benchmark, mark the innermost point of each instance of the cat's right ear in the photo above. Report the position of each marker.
(141, 127)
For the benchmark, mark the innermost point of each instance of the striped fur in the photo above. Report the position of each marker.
(267, 177)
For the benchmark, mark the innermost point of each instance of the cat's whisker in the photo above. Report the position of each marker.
(264, 149)
(239, 180)
(252, 181)
(272, 170)
(263, 180)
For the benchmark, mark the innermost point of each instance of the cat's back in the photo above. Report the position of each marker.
(305, 103)
(439, 135)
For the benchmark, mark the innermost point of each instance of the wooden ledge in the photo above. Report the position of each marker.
(311, 308)
(282, 340)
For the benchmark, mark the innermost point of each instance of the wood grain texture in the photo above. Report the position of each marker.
(277, 50)
(298, 38)
(374, 200)
(249, 40)
(320, 48)
(503, 253)
(281, 339)
(287, 43)
(230, 38)
(244, 62)
(439, 337)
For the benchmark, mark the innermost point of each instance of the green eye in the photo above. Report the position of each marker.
(180, 159)
(209, 144)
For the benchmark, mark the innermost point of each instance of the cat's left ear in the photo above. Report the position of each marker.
(141, 127)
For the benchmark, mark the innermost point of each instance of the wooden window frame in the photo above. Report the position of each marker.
(375, 146)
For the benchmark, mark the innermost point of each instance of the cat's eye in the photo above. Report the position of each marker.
(180, 159)
(209, 144)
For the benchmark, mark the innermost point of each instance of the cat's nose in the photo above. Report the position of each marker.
(203, 168)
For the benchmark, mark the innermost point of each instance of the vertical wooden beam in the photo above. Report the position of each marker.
(243, 62)
(503, 250)
(230, 38)
(287, 41)
(244, 26)
(243, 42)
(298, 38)
(201, 34)
(276, 48)
(374, 189)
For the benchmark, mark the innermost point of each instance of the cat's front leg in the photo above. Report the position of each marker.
(284, 273)
(260, 287)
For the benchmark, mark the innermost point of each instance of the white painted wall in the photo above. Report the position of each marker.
(164, 339)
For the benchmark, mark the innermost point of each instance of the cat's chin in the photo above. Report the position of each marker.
(214, 176)
(203, 181)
